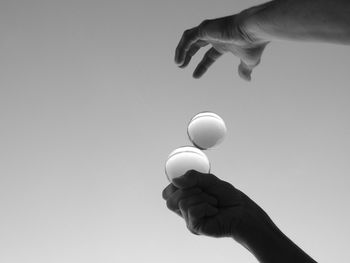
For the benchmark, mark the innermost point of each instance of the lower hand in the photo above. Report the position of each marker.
(214, 207)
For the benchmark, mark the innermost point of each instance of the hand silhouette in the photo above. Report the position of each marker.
(213, 207)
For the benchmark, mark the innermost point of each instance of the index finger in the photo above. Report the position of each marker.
(189, 37)
(168, 191)
(195, 179)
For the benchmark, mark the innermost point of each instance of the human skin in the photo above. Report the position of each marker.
(209, 205)
(247, 33)
(215, 208)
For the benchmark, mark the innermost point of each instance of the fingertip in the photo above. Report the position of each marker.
(245, 71)
(185, 63)
(177, 62)
(196, 76)
(176, 55)
(177, 58)
(244, 75)
(197, 73)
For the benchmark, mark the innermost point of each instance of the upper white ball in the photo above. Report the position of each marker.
(184, 159)
(206, 130)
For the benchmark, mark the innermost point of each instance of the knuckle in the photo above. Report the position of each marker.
(182, 204)
(227, 184)
(190, 228)
(194, 213)
(187, 32)
(193, 227)
(211, 177)
(169, 204)
(203, 27)
(191, 213)
(227, 24)
(204, 23)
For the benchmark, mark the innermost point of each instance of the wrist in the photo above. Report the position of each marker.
(253, 23)
(257, 233)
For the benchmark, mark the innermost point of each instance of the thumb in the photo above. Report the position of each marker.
(250, 58)
(245, 71)
(194, 178)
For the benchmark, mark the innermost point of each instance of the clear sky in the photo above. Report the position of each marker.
(91, 104)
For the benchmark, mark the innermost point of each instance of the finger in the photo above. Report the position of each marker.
(186, 203)
(209, 58)
(192, 51)
(200, 211)
(250, 58)
(245, 71)
(176, 202)
(178, 212)
(188, 38)
(168, 191)
(173, 200)
(194, 178)
(197, 215)
(183, 205)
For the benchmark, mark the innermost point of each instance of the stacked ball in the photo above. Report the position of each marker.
(205, 130)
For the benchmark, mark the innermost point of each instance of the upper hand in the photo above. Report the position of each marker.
(226, 34)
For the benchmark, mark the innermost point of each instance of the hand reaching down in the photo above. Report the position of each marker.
(225, 35)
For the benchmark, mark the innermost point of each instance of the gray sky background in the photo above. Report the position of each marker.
(91, 104)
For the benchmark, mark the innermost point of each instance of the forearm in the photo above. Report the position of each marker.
(272, 246)
(266, 242)
(308, 20)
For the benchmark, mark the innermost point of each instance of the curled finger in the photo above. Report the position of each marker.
(186, 203)
(192, 51)
(173, 201)
(168, 191)
(209, 58)
(189, 37)
(196, 216)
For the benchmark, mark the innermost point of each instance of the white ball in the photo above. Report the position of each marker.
(184, 159)
(206, 130)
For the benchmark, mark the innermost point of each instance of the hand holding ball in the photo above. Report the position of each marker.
(184, 159)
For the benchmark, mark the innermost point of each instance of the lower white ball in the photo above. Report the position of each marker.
(184, 159)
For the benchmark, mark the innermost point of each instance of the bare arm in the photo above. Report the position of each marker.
(307, 20)
(247, 33)
(215, 208)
